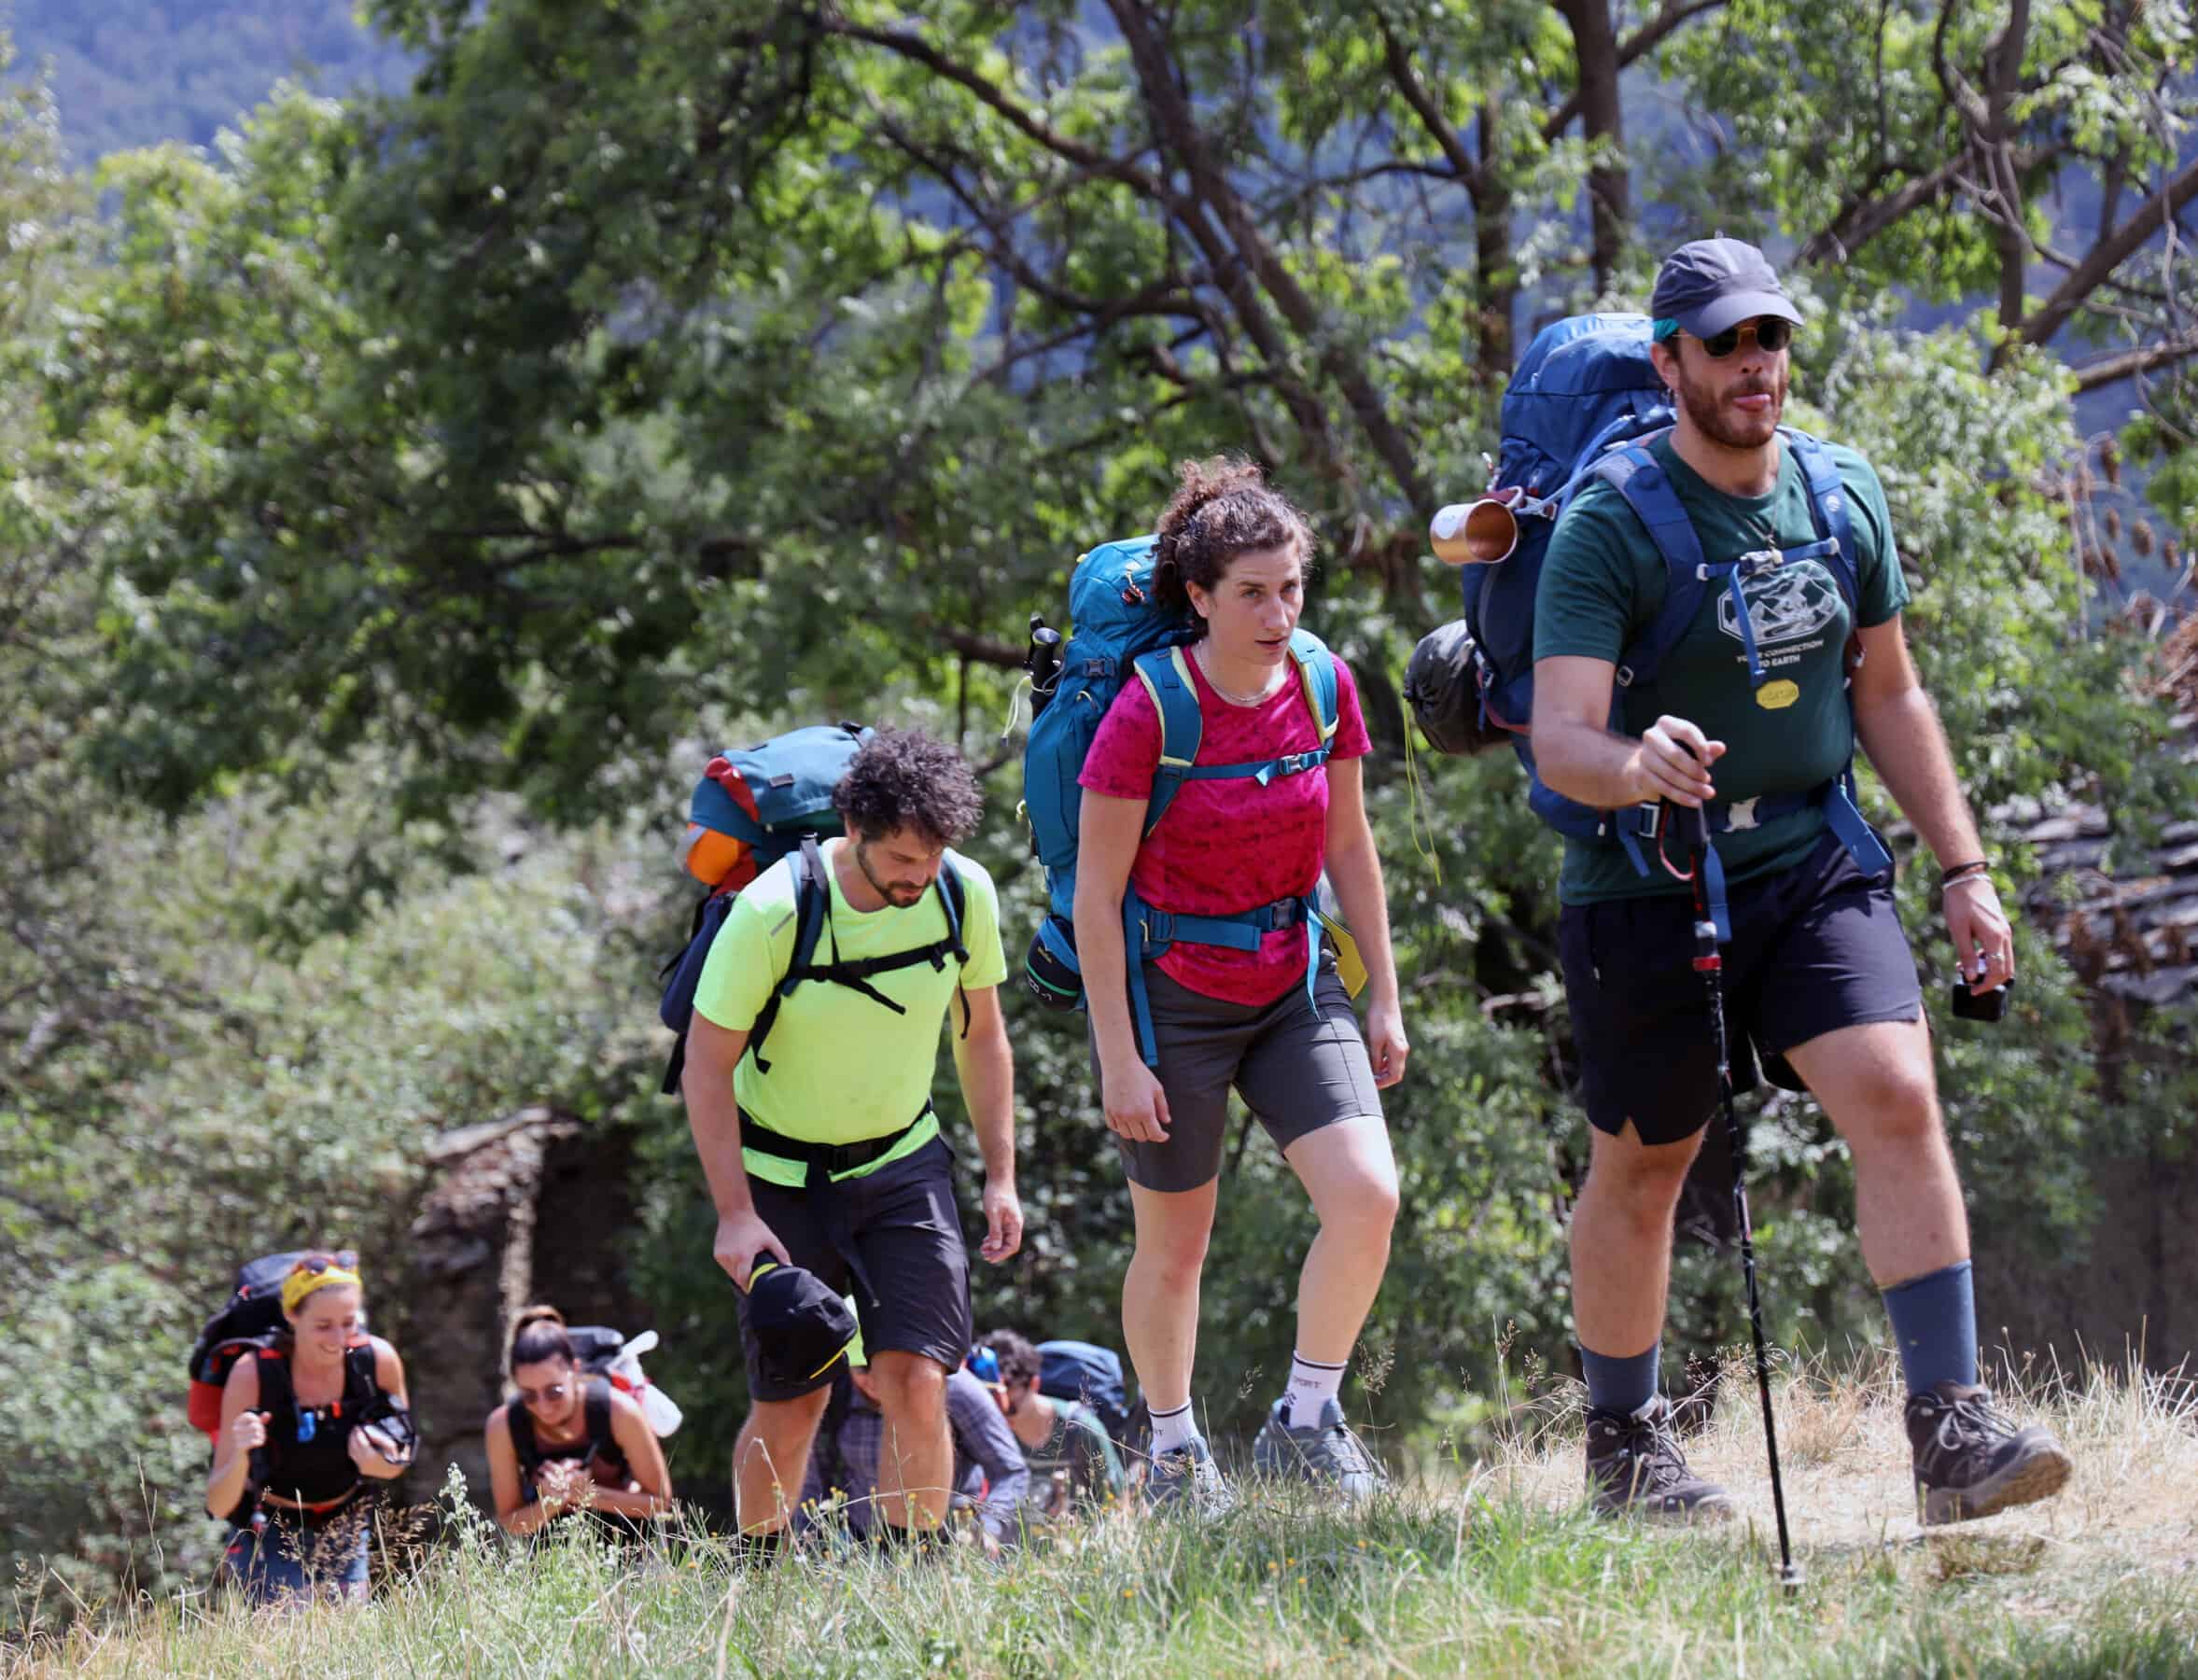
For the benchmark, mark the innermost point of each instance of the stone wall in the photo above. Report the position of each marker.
(530, 1208)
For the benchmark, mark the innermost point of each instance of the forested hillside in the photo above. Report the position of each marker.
(403, 502)
(136, 72)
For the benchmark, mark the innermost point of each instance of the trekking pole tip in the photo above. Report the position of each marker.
(1791, 1577)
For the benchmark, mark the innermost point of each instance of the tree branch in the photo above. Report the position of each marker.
(982, 648)
(911, 45)
(2108, 255)
(1646, 39)
(1211, 185)
(1439, 128)
(1861, 221)
(2126, 364)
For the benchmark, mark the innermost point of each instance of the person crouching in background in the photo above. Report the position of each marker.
(568, 1440)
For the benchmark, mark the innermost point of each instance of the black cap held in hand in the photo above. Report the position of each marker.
(1713, 283)
(800, 1325)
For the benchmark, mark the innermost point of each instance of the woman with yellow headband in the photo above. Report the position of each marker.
(305, 1426)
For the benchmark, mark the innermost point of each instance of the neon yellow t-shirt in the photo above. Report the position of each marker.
(843, 1066)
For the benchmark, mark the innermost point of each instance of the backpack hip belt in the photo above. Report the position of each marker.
(1147, 934)
(313, 1512)
(1841, 815)
(834, 1158)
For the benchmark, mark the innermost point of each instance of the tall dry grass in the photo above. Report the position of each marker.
(1488, 1567)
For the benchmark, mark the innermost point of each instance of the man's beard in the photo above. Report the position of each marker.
(889, 891)
(1706, 408)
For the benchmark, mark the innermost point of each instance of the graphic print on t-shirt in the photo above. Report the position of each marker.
(1788, 605)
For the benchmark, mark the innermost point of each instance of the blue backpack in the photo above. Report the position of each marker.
(751, 808)
(1074, 1370)
(1119, 629)
(1586, 401)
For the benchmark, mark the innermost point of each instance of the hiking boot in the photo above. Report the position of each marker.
(1634, 1466)
(1326, 1453)
(1971, 1461)
(1186, 1480)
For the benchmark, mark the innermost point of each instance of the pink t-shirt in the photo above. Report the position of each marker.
(1229, 843)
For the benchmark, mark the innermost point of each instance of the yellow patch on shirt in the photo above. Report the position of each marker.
(1777, 696)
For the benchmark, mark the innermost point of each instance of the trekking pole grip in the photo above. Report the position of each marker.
(1691, 824)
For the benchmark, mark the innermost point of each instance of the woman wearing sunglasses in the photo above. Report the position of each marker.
(306, 1426)
(568, 1440)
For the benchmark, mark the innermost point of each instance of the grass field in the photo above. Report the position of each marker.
(1487, 1569)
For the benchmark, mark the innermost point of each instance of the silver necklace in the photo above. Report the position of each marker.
(1206, 665)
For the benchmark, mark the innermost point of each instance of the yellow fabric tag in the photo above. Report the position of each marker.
(1350, 967)
(1777, 696)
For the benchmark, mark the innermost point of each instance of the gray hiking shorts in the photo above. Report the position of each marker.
(1298, 1067)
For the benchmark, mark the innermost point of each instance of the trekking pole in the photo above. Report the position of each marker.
(1694, 829)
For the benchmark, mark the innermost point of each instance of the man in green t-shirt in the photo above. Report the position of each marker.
(1818, 974)
(827, 1155)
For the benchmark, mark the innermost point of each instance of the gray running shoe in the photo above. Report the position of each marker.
(1185, 1481)
(1971, 1461)
(1327, 1453)
(1634, 1466)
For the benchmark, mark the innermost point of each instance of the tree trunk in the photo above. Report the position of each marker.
(1595, 47)
(1495, 283)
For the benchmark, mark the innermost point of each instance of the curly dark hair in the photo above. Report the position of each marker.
(1223, 508)
(903, 778)
(1018, 1359)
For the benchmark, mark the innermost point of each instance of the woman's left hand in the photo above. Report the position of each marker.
(1386, 1045)
(374, 1452)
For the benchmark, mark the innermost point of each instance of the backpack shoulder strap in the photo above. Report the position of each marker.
(954, 900)
(278, 1395)
(602, 1431)
(812, 909)
(362, 1384)
(812, 905)
(1636, 474)
(524, 1447)
(1316, 670)
(1166, 673)
(1827, 502)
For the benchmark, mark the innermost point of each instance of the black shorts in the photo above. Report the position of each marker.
(907, 1232)
(1298, 1066)
(1815, 948)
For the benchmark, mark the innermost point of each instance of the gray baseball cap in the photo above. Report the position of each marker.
(1713, 283)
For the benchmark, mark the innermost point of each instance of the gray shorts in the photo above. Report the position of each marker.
(1297, 1066)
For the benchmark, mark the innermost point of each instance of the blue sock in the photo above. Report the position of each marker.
(1935, 1327)
(1620, 1385)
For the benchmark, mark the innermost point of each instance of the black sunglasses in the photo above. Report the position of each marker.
(1772, 333)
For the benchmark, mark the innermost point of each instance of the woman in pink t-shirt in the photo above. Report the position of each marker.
(1233, 553)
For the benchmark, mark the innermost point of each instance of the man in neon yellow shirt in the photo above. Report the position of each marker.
(826, 1153)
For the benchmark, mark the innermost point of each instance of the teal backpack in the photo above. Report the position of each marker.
(1119, 629)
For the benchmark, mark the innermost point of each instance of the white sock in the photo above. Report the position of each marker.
(1312, 1385)
(1173, 1428)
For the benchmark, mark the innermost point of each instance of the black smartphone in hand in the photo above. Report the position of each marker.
(1981, 1005)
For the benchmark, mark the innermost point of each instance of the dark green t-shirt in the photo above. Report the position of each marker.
(1603, 585)
(1077, 1465)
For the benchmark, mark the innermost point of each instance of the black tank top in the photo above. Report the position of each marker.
(596, 1442)
(309, 1448)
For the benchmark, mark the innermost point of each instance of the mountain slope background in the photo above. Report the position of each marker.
(128, 73)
